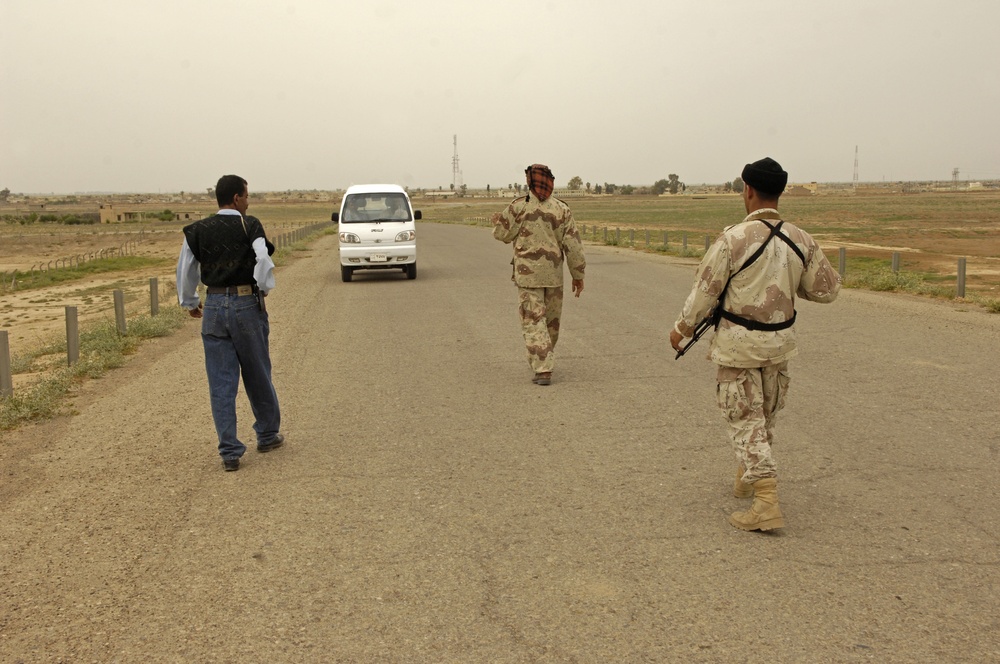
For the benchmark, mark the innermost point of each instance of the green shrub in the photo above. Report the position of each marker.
(992, 305)
(883, 279)
(40, 401)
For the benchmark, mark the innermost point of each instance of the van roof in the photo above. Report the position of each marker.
(374, 189)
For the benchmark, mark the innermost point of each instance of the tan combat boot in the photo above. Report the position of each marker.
(764, 513)
(740, 488)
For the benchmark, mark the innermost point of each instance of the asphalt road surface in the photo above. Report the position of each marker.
(432, 505)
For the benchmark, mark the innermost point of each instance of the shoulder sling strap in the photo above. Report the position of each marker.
(712, 320)
(750, 324)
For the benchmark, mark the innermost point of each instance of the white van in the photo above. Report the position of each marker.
(377, 230)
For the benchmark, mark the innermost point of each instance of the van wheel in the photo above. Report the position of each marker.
(345, 273)
(411, 271)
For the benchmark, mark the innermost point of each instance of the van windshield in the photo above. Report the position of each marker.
(376, 207)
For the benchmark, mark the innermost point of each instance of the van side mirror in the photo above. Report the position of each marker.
(335, 217)
(416, 215)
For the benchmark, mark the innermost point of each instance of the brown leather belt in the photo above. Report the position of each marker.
(230, 290)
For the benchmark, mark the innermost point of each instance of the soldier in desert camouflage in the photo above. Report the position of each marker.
(543, 233)
(751, 277)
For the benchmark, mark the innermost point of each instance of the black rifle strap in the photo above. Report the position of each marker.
(719, 312)
(756, 326)
(720, 308)
(775, 232)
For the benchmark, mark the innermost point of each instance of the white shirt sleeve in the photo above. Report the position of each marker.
(263, 272)
(188, 276)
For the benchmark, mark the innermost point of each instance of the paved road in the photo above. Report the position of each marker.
(432, 505)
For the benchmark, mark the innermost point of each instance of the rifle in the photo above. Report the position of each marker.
(709, 321)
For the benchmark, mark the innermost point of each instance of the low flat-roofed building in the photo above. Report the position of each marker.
(112, 215)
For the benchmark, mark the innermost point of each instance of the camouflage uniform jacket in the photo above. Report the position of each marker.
(543, 232)
(764, 292)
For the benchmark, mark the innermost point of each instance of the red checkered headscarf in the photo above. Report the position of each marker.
(540, 180)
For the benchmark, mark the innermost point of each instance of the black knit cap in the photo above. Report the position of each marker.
(765, 176)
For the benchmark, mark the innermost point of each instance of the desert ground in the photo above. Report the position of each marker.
(930, 231)
(432, 505)
(31, 316)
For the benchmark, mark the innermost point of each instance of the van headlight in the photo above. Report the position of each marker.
(350, 238)
(405, 236)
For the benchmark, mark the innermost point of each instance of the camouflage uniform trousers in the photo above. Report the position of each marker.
(750, 400)
(540, 309)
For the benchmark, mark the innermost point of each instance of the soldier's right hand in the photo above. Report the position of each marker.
(675, 340)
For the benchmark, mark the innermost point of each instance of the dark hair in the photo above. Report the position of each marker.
(227, 187)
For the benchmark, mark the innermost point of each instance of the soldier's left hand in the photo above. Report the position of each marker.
(577, 287)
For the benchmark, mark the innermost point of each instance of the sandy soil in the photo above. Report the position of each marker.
(35, 315)
(432, 505)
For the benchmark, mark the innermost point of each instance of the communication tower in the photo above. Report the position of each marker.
(456, 172)
(954, 179)
(855, 166)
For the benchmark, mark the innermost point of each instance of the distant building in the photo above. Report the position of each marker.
(804, 189)
(112, 215)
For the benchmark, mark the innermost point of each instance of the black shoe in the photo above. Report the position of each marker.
(231, 464)
(273, 445)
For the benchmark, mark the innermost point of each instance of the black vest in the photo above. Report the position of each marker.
(224, 248)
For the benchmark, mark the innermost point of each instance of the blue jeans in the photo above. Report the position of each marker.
(235, 333)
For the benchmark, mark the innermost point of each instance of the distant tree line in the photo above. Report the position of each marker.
(73, 219)
(671, 184)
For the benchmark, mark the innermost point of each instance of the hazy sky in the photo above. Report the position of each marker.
(148, 95)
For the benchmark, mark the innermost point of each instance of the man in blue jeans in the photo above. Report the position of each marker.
(231, 255)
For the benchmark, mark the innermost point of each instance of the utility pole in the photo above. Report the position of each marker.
(456, 172)
(855, 167)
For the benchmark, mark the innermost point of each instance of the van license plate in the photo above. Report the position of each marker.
(378, 258)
